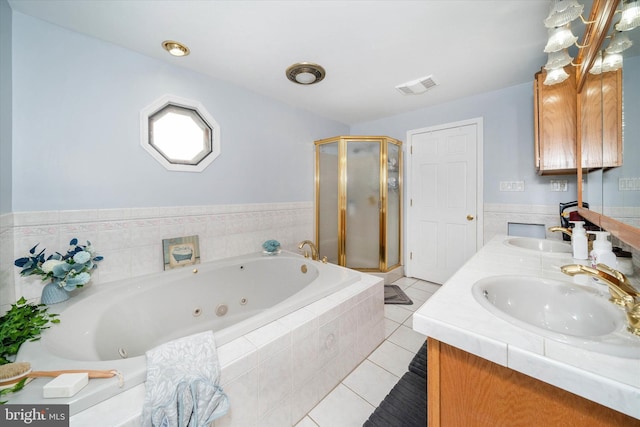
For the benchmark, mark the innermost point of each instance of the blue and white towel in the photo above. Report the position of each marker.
(182, 388)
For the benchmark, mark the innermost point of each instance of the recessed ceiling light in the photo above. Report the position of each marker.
(175, 48)
(305, 73)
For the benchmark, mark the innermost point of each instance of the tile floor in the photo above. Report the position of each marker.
(351, 403)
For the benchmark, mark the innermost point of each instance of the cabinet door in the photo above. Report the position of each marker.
(555, 124)
(601, 120)
(612, 119)
(590, 102)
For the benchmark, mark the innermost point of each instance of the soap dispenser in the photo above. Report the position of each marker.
(602, 252)
(579, 241)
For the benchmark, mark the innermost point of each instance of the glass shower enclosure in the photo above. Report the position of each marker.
(358, 182)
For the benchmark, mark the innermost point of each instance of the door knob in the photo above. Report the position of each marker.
(469, 217)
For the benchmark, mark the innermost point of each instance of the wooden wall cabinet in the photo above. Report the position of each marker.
(555, 125)
(600, 121)
(562, 116)
(467, 391)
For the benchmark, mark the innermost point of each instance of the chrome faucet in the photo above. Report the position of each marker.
(314, 249)
(565, 230)
(622, 293)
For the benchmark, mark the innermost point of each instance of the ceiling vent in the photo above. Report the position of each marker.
(418, 86)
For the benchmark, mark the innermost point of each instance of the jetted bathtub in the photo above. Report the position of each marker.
(112, 325)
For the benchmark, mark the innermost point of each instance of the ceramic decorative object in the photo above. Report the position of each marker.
(53, 294)
(271, 247)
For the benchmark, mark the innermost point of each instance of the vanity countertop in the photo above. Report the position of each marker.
(454, 317)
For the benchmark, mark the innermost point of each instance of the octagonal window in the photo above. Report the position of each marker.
(180, 134)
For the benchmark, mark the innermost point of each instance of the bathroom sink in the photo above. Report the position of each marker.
(548, 304)
(539, 245)
(558, 310)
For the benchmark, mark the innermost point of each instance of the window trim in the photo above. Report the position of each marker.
(185, 103)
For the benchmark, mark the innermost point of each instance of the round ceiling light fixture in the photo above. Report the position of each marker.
(175, 48)
(305, 73)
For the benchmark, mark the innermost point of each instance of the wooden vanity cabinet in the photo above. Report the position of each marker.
(467, 391)
(555, 122)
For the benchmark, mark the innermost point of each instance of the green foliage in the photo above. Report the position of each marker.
(19, 386)
(23, 322)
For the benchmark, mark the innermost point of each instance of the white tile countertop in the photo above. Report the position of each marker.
(454, 317)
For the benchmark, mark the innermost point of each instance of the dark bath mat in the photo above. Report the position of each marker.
(394, 295)
(406, 403)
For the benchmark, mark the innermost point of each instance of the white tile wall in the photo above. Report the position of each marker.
(131, 239)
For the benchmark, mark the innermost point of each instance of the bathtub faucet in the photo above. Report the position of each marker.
(314, 249)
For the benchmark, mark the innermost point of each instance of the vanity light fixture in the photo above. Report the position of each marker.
(596, 68)
(630, 15)
(175, 48)
(562, 12)
(305, 73)
(555, 76)
(558, 22)
(558, 59)
(560, 38)
(611, 62)
(619, 43)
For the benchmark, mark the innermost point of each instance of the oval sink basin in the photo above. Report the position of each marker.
(539, 245)
(558, 310)
(549, 305)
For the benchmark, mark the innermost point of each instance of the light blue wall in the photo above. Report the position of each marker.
(76, 130)
(76, 102)
(5, 107)
(508, 140)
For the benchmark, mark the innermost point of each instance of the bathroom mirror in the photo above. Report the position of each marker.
(613, 191)
(179, 134)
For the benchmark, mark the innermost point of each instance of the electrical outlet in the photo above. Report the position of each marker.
(558, 185)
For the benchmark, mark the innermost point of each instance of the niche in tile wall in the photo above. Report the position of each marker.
(526, 230)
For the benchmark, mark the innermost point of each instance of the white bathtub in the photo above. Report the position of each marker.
(112, 325)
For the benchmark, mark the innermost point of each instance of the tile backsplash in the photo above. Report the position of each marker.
(131, 239)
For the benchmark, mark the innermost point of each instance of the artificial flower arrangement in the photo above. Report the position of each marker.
(69, 271)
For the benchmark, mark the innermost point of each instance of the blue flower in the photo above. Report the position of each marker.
(82, 257)
(68, 271)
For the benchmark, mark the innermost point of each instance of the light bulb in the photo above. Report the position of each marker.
(560, 38)
(556, 76)
(558, 59)
(630, 15)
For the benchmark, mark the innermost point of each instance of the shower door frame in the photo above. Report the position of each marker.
(383, 208)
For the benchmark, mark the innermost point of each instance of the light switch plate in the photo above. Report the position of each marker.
(629, 184)
(511, 185)
(559, 185)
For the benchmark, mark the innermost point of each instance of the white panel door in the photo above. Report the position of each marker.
(442, 224)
